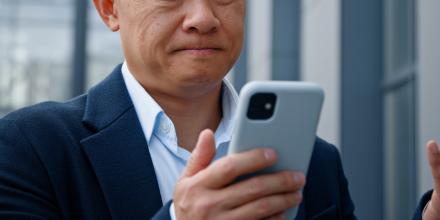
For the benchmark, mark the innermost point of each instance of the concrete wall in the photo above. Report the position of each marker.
(428, 84)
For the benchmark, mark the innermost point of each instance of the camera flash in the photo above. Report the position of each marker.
(268, 106)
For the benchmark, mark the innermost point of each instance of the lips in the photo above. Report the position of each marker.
(196, 46)
(199, 51)
(190, 48)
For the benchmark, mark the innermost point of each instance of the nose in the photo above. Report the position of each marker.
(200, 18)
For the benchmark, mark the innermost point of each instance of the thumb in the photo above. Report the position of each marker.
(434, 162)
(202, 154)
(433, 209)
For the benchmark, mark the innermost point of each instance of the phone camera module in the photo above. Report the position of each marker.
(261, 106)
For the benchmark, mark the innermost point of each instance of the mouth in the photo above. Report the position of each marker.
(204, 51)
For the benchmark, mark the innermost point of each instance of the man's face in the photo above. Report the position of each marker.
(183, 43)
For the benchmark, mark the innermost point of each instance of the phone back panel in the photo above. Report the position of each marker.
(291, 130)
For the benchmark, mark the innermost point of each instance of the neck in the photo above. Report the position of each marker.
(192, 115)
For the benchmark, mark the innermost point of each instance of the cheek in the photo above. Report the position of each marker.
(152, 37)
(233, 21)
(236, 38)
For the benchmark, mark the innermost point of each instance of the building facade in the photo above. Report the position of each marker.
(376, 60)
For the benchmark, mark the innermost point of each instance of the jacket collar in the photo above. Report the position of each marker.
(118, 152)
(107, 101)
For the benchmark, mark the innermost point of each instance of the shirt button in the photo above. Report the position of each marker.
(165, 127)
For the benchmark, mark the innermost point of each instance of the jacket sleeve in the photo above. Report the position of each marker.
(25, 191)
(418, 214)
(163, 213)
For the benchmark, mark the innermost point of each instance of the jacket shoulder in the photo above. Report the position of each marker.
(48, 113)
(325, 152)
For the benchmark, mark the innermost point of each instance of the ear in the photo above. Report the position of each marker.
(107, 9)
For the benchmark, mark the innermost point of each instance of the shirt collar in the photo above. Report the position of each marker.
(223, 133)
(150, 113)
(146, 107)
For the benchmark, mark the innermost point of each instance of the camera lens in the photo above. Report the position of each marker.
(261, 106)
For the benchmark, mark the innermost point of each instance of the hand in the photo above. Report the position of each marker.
(207, 191)
(432, 211)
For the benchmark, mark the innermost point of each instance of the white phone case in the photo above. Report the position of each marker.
(291, 130)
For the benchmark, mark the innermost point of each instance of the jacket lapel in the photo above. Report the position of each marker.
(118, 151)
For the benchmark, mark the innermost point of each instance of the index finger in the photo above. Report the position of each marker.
(434, 162)
(225, 170)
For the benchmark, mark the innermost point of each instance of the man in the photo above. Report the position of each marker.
(140, 144)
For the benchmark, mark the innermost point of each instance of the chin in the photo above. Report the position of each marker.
(203, 73)
(200, 79)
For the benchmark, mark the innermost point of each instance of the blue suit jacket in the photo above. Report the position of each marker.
(88, 159)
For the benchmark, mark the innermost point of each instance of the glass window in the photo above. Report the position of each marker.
(104, 50)
(35, 51)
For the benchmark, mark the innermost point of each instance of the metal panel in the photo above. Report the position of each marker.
(399, 98)
(286, 39)
(80, 48)
(240, 68)
(362, 70)
(428, 102)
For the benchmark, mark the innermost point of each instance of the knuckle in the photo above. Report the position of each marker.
(256, 187)
(204, 204)
(227, 167)
(182, 204)
(258, 156)
(183, 195)
(263, 207)
(289, 200)
(293, 199)
(286, 180)
(190, 187)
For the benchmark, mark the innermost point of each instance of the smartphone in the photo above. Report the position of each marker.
(282, 115)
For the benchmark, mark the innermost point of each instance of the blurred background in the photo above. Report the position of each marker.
(378, 61)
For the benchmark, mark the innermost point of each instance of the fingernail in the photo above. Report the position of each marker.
(434, 149)
(436, 146)
(269, 154)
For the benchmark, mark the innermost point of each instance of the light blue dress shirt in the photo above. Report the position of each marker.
(169, 159)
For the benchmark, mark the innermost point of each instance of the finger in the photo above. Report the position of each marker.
(279, 216)
(224, 171)
(267, 206)
(202, 154)
(434, 162)
(262, 186)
